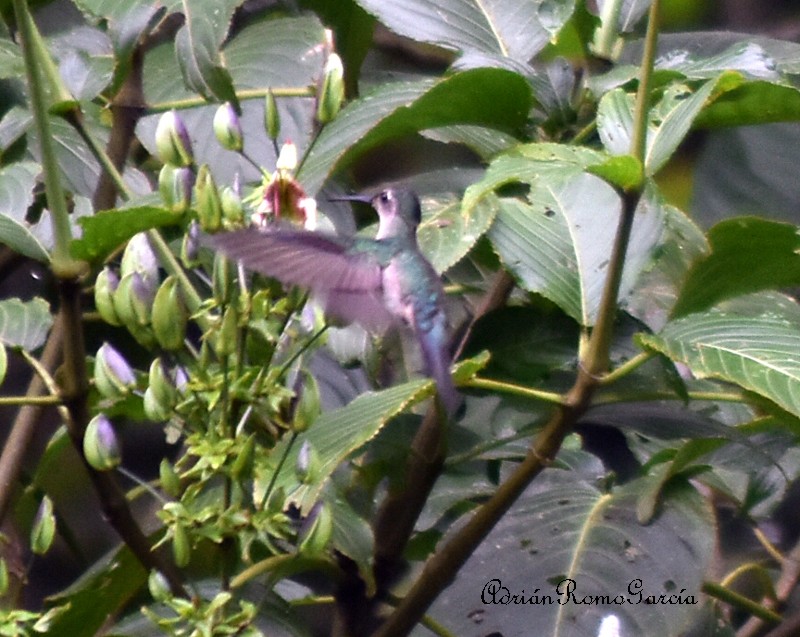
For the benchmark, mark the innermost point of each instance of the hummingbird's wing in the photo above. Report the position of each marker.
(346, 278)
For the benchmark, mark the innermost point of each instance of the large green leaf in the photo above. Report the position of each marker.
(489, 97)
(558, 242)
(17, 182)
(116, 11)
(339, 433)
(565, 528)
(751, 341)
(24, 324)
(752, 103)
(506, 27)
(748, 254)
(197, 47)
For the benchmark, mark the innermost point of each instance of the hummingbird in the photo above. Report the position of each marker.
(374, 282)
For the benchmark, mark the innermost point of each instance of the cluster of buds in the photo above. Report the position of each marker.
(153, 313)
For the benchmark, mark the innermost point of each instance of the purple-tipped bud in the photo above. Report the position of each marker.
(104, 287)
(175, 186)
(316, 530)
(113, 377)
(172, 140)
(190, 246)
(227, 127)
(139, 257)
(232, 208)
(100, 444)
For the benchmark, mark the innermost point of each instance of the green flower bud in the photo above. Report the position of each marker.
(317, 530)
(133, 300)
(105, 285)
(228, 332)
(139, 257)
(100, 444)
(232, 207)
(170, 315)
(243, 465)
(43, 531)
(272, 118)
(153, 409)
(331, 93)
(181, 549)
(172, 140)
(227, 127)
(221, 278)
(208, 204)
(113, 377)
(158, 586)
(308, 404)
(175, 186)
(170, 482)
(5, 579)
(162, 385)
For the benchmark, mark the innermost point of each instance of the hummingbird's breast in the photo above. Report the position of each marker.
(412, 290)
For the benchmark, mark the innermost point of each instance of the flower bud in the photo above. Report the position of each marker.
(331, 93)
(227, 127)
(100, 444)
(228, 332)
(172, 140)
(113, 377)
(243, 465)
(190, 246)
(170, 315)
(161, 382)
(221, 278)
(317, 530)
(133, 300)
(170, 482)
(153, 409)
(175, 186)
(308, 463)
(208, 204)
(139, 257)
(232, 208)
(104, 287)
(308, 404)
(43, 531)
(287, 158)
(181, 549)
(272, 118)
(158, 586)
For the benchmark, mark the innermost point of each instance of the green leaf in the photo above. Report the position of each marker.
(447, 235)
(116, 11)
(748, 254)
(106, 230)
(24, 324)
(558, 242)
(197, 47)
(750, 341)
(670, 121)
(352, 536)
(17, 182)
(493, 98)
(623, 171)
(102, 591)
(518, 29)
(564, 528)
(339, 433)
(752, 103)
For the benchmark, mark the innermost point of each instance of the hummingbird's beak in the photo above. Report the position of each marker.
(361, 198)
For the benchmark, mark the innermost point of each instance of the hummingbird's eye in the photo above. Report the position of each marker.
(386, 196)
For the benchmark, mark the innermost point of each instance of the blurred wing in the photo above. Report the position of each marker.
(349, 284)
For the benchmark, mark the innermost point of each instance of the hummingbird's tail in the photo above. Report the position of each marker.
(437, 360)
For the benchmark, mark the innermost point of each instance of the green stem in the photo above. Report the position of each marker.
(248, 94)
(607, 34)
(626, 368)
(514, 390)
(62, 264)
(740, 601)
(39, 401)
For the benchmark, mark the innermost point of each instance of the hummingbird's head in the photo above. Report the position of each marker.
(398, 203)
